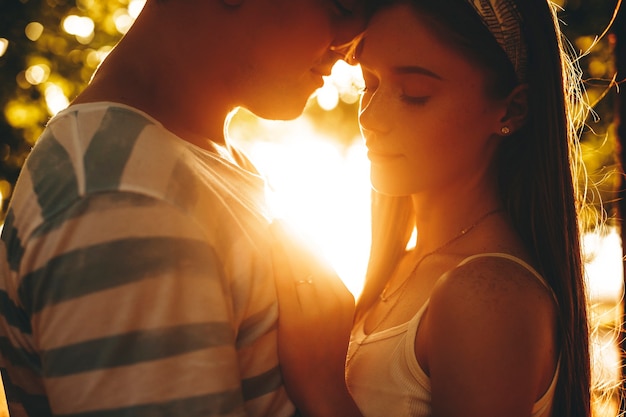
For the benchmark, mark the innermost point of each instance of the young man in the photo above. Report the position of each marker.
(135, 275)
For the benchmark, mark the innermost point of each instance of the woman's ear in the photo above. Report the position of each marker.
(516, 110)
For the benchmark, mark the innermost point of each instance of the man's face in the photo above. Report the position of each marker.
(292, 47)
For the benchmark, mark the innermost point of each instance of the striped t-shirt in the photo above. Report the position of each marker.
(135, 277)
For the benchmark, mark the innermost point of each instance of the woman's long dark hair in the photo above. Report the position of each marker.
(538, 169)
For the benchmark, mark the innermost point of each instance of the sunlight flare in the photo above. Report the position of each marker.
(322, 190)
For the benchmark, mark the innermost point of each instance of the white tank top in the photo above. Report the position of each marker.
(385, 378)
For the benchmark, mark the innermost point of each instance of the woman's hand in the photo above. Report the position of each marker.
(316, 312)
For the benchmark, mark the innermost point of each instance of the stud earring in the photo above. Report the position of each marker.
(505, 130)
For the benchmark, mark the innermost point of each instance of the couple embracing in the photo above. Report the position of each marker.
(141, 274)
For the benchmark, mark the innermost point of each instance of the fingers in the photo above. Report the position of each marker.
(290, 270)
(315, 316)
(308, 289)
(294, 249)
(305, 260)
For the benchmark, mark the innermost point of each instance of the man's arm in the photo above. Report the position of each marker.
(131, 314)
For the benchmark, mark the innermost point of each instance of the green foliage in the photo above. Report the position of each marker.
(586, 21)
(44, 67)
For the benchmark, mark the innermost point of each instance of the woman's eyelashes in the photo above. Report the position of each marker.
(416, 90)
(416, 100)
(410, 91)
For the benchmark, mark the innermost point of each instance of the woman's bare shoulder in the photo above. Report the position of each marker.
(491, 280)
(491, 327)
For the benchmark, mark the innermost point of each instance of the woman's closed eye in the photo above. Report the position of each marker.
(414, 99)
(416, 91)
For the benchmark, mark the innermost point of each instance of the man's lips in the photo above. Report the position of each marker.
(381, 156)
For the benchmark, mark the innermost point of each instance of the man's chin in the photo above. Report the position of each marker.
(281, 109)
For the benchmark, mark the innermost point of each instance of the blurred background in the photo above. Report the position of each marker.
(316, 165)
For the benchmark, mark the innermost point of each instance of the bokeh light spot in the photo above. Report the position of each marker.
(4, 45)
(597, 68)
(33, 31)
(349, 81)
(22, 115)
(37, 74)
(123, 21)
(5, 190)
(81, 27)
(55, 99)
(135, 7)
(327, 96)
(95, 57)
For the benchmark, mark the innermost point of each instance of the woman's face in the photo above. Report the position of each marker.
(428, 124)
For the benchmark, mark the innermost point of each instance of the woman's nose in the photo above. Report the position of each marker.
(372, 113)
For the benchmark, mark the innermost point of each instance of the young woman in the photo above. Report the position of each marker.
(468, 117)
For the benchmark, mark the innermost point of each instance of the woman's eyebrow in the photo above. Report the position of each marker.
(415, 69)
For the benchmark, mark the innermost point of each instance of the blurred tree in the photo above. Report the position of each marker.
(587, 21)
(13, 147)
(620, 116)
(50, 50)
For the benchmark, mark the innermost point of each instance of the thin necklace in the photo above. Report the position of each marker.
(384, 297)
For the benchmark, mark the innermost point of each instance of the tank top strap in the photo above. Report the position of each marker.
(515, 259)
(545, 402)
